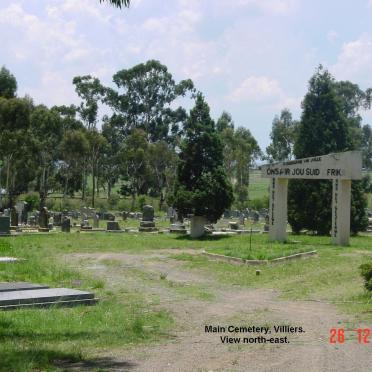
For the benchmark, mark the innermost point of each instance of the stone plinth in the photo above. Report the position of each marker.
(177, 228)
(147, 226)
(113, 226)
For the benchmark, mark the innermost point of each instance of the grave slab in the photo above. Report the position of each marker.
(8, 259)
(20, 286)
(45, 298)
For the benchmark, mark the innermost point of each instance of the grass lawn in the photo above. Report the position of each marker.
(35, 339)
(261, 249)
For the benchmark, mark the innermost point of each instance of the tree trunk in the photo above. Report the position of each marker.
(161, 201)
(93, 185)
(109, 189)
(133, 201)
(83, 184)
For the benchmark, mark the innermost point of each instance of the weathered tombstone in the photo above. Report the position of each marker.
(66, 224)
(234, 225)
(95, 221)
(13, 217)
(266, 226)
(255, 217)
(43, 220)
(4, 225)
(147, 223)
(178, 228)
(51, 223)
(242, 219)
(113, 226)
(57, 219)
(341, 168)
(125, 215)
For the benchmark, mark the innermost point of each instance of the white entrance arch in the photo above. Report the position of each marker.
(341, 168)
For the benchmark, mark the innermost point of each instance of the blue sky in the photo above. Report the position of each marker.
(251, 58)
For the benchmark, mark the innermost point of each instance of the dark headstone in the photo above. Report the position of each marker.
(66, 225)
(57, 219)
(113, 226)
(44, 218)
(13, 217)
(148, 213)
(4, 225)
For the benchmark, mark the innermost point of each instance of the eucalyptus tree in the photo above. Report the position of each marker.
(144, 99)
(14, 144)
(117, 3)
(8, 83)
(46, 135)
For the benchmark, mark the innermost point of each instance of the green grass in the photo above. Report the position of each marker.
(41, 338)
(332, 277)
(261, 249)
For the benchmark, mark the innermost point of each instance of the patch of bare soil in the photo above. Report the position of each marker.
(193, 349)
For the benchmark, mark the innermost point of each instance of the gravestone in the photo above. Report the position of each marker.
(66, 224)
(234, 225)
(178, 228)
(266, 226)
(113, 226)
(57, 219)
(22, 210)
(13, 217)
(4, 225)
(95, 221)
(125, 215)
(255, 217)
(51, 223)
(147, 223)
(44, 218)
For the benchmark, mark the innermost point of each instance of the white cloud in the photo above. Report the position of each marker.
(272, 6)
(257, 89)
(355, 59)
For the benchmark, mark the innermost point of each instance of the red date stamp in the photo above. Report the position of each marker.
(337, 335)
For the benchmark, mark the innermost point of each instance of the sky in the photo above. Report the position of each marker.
(251, 58)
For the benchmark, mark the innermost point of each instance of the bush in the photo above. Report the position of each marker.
(33, 200)
(113, 201)
(259, 203)
(366, 272)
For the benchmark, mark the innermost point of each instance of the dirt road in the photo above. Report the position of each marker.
(193, 349)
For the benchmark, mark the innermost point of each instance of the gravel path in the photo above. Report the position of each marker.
(193, 349)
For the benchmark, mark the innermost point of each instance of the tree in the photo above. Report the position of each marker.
(282, 136)
(144, 100)
(8, 84)
(15, 145)
(96, 146)
(246, 150)
(324, 128)
(90, 90)
(134, 163)
(46, 131)
(74, 148)
(117, 3)
(367, 146)
(162, 160)
(201, 186)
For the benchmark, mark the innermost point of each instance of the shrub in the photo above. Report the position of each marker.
(366, 272)
(33, 200)
(259, 203)
(113, 201)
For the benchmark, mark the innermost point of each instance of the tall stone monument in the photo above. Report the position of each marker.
(340, 168)
(147, 223)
